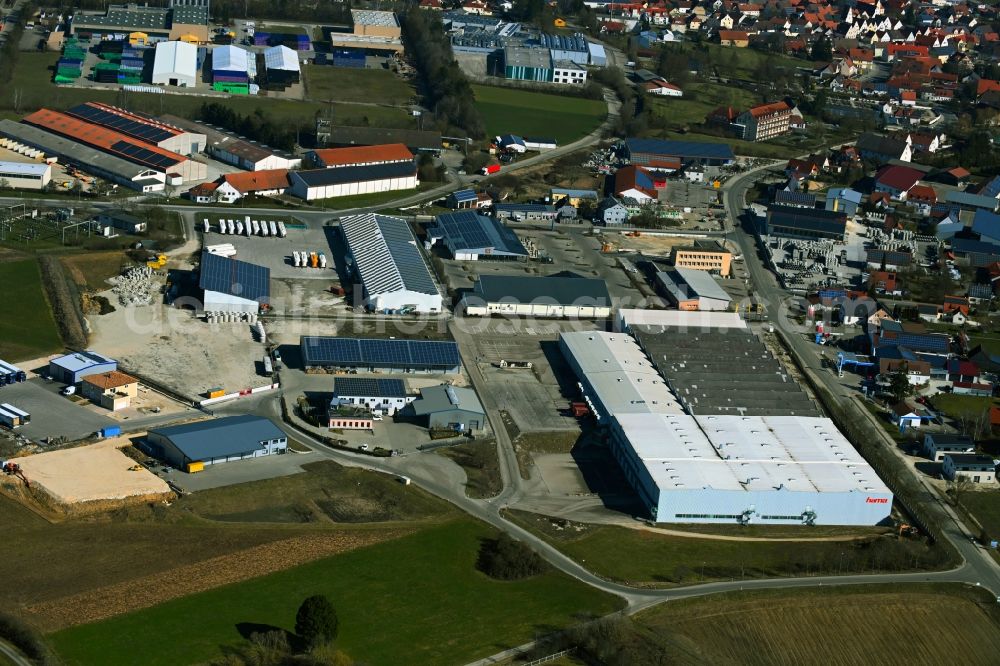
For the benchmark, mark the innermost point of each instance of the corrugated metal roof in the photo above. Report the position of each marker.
(235, 277)
(385, 253)
(467, 230)
(23, 168)
(445, 398)
(217, 438)
(281, 57)
(81, 360)
(694, 284)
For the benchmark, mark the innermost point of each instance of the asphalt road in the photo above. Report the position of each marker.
(12, 654)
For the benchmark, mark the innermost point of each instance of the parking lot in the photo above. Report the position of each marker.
(239, 471)
(275, 252)
(52, 415)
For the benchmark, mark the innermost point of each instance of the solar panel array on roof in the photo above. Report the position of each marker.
(128, 126)
(234, 277)
(371, 353)
(920, 342)
(143, 155)
(467, 230)
(369, 387)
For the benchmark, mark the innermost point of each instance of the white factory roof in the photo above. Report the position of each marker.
(374, 17)
(747, 453)
(694, 321)
(692, 283)
(281, 57)
(229, 58)
(175, 57)
(23, 168)
(622, 377)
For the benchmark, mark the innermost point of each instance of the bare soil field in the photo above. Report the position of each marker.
(880, 625)
(92, 478)
(173, 348)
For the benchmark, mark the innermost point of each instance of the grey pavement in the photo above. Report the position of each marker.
(52, 415)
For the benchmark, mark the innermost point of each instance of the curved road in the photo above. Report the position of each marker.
(13, 655)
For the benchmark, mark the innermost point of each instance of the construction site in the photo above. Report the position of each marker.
(82, 480)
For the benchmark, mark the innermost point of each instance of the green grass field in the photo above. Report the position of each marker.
(33, 77)
(699, 100)
(377, 86)
(29, 330)
(416, 600)
(522, 112)
(665, 560)
(957, 406)
(985, 506)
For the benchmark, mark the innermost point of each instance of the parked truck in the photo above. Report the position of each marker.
(490, 169)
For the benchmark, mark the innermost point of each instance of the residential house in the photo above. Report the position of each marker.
(910, 414)
(736, 38)
(883, 148)
(112, 390)
(938, 445)
(896, 181)
(612, 213)
(970, 467)
(954, 304)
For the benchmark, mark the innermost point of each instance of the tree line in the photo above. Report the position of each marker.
(444, 87)
(257, 126)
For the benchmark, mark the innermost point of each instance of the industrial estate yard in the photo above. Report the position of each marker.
(499, 333)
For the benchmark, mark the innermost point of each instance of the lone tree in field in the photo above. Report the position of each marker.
(316, 622)
(506, 558)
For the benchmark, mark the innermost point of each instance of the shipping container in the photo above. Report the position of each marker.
(194, 467)
(111, 431)
(8, 419)
(216, 393)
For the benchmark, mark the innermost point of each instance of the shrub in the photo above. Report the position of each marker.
(506, 558)
(316, 622)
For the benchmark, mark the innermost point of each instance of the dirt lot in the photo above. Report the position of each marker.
(98, 474)
(172, 347)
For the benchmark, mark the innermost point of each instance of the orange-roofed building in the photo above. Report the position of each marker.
(265, 183)
(765, 121)
(112, 390)
(736, 38)
(388, 153)
(114, 143)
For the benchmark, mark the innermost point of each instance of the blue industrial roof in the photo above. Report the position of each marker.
(364, 352)
(971, 245)
(972, 200)
(991, 189)
(681, 149)
(523, 208)
(216, 438)
(468, 230)
(367, 387)
(986, 224)
(386, 255)
(844, 193)
(235, 278)
(81, 361)
(574, 42)
(23, 168)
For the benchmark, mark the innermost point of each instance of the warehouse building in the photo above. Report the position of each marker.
(369, 355)
(111, 390)
(660, 153)
(781, 470)
(615, 376)
(72, 368)
(689, 289)
(447, 407)
(281, 67)
(383, 395)
(157, 23)
(176, 168)
(790, 222)
(524, 63)
(723, 371)
(361, 155)
(525, 212)
(247, 155)
(373, 32)
(216, 441)
(534, 296)
(349, 181)
(233, 69)
(725, 457)
(25, 175)
(175, 64)
(470, 236)
(385, 256)
(141, 127)
(231, 285)
(418, 141)
(19, 137)
(703, 255)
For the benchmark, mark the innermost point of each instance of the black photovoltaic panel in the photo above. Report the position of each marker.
(234, 277)
(143, 155)
(380, 353)
(368, 387)
(121, 124)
